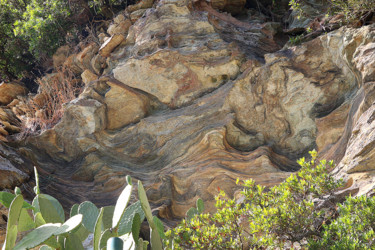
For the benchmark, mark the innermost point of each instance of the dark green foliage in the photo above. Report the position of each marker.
(32, 30)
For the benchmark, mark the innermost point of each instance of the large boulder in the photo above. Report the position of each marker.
(82, 118)
(124, 106)
(277, 103)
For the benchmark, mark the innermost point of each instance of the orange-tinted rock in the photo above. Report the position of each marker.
(87, 76)
(110, 44)
(10, 91)
(124, 106)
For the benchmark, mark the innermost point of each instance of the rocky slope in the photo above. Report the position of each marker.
(187, 99)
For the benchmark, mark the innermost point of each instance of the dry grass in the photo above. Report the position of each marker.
(46, 109)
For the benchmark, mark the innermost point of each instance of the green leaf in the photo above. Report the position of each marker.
(52, 242)
(105, 236)
(25, 222)
(70, 224)
(74, 210)
(15, 210)
(129, 180)
(126, 222)
(159, 227)
(51, 209)
(136, 226)
(191, 213)
(98, 229)
(155, 240)
(39, 220)
(13, 217)
(11, 237)
(107, 216)
(90, 213)
(37, 236)
(73, 242)
(145, 204)
(121, 204)
(200, 205)
(7, 198)
(81, 232)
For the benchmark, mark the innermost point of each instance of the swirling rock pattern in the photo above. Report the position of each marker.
(188, 106)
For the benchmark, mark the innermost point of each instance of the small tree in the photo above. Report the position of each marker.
(289, 211)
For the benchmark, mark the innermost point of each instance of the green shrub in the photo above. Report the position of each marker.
(43, 24)
(354, 227)
(265, 218)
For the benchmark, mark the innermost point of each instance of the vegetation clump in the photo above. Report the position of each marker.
(301, 210)
(288, 212)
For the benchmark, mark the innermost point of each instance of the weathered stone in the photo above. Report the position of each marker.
(83, 59)
(124, 106)
(98, 63)
(87, 77)
(109, 45)
(119, 26)
(279, 101)
(331, 127)
(364, 61)
(190, 112)
(134, 16)
(10, 175)
(82, 117)
(358, 162)
(143, 4)
(176, 79)
(10, 91)
(72, 64)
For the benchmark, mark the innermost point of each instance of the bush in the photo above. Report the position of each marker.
(354, 227)
(43, 24)
(288, 212)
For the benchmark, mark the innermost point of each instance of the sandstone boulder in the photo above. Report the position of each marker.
(124, 106)
(10, 91)
(88, 76)
(110, 44)
(82, 118)
(280, 100)
(187, 67)
(120, 25)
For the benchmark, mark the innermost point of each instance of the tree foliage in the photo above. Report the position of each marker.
(32, 30)
(288, 212)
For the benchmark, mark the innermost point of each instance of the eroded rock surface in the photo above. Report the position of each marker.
(188, 99)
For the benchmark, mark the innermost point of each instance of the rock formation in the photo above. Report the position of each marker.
(187, 99)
